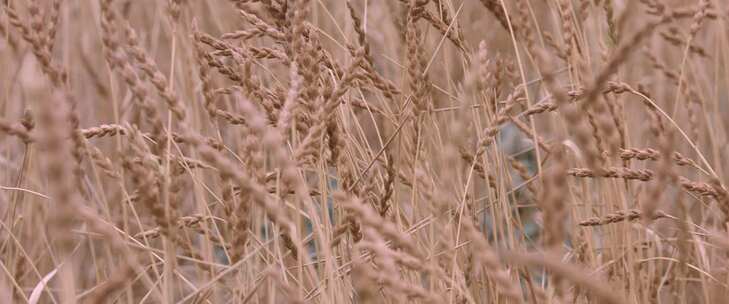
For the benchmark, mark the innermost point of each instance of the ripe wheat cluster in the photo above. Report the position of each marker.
(364, 151)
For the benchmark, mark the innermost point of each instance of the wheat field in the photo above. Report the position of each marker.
(364, 151)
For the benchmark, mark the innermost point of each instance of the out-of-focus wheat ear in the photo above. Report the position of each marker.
(241, 222)
(28, 120)
(272, 141)
(660, 66)
(336, 143)
(375, 232)
(149, 67)
(488, 259)
(388, 89)
(129, 264)
(101, 161)
(141, 96)
(254, 158)
(261, 25)
(687, 91)
(14, 129)
(248, 185)
(523, 23)
(620, 56)
(452, 18)
(361, 36)
(607, 6)
(567, 26)
(697, 21)
(36, 21)
(203, 71)
(691, 104)
(573, 117)
(363, 281)
(103, 131)
(664, 177)
(109, 39)
(45, 30)
(698, 188)
(252, 86)
(553, 200)
(369, 217)
(249, 7)
(527, 131)
(448, 30)
(494, 6)
(174, 9)
(34, 36)
(77, 137)
(613, 114)
(306, 64)
(479, 169)
(53, 17)
(500, 118)
(656, 126)
(310, 144)
(603, 293)
(12, 41)
(415, 86)
(290, 105)
(15, 20)
(294, 295)
(596, 136)
(388, 187)
(40, 41)
(699, 17)
(488, 82)
(673, 37)
(640, 154)
(145, 172)
(53, 131)
(119, 278)
(615, 110)
(119, 61)
(524, 174)
(391, 261)
(722, 198)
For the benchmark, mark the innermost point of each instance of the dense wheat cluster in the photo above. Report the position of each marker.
(364, 151)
